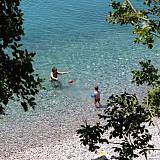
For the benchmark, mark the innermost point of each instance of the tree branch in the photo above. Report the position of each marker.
(153, 117)
(157, 149)
(131, 6)
(129, 2)
(156, 35)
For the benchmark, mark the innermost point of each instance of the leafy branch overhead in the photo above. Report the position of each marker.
(145, 22)
(124, 119)
(147, 75)
(17, 80)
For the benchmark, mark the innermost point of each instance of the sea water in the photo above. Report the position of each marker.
(74, 36)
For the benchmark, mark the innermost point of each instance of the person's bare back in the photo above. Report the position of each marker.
(96, 96)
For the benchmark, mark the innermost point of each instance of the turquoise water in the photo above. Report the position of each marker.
(74, 36)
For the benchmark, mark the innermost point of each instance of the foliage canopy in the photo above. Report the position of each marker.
(145, 21)
(17, 80)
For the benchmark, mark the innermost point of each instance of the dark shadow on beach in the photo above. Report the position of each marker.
(101, 158)
(102, 106)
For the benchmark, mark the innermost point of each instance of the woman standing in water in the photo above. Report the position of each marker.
(54, 74)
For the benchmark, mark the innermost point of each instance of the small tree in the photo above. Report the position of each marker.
(17, 78)
(125, 117)
(145, 22)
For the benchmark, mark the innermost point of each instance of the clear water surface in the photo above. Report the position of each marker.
(74, 36)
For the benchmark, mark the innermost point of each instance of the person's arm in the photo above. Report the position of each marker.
(63, 72)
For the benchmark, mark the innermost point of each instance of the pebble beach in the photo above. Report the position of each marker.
(44, 135)
(52, 136)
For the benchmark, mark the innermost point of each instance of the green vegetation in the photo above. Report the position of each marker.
(145, 22)
(126, 118)
(17, 80)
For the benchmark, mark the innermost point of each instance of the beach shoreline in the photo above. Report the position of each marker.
(39, 129)
(42, 137)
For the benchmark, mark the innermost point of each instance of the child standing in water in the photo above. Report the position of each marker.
(96, 96)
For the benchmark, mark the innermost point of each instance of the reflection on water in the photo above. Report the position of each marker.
(56, 85)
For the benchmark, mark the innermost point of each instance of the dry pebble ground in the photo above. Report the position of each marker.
(52, 137)
(44, 136)
(70, 149)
